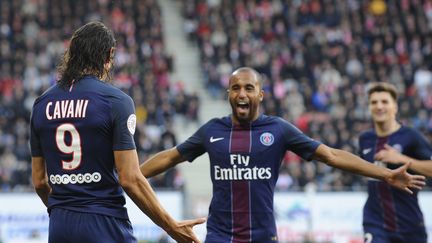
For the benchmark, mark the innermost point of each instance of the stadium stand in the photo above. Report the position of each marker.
(33, 35)
(318, 57)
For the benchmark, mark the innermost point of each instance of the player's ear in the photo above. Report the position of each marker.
(111, 55)
(261, 95)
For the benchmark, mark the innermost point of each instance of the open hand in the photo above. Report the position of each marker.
(401, 179)
(183, 231)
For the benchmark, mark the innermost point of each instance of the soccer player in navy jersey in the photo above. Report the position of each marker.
(392, 215)
(83, 152)
(246, 150)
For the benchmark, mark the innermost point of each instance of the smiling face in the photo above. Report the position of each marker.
(382, 107)
(245, 95)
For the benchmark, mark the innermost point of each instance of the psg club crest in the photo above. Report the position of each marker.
(398, 147)
(267, 139)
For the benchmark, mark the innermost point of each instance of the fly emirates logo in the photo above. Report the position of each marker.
(240, 170)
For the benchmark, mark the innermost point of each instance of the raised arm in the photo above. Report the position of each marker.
(161, 162)
(40, 179)
(391, 155)
(347, 161)
(140, 191)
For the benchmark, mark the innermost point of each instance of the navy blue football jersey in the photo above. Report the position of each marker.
(387, 207)
(244, 162)
(76, 131)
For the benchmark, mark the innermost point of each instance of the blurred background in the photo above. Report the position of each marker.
(174, 58)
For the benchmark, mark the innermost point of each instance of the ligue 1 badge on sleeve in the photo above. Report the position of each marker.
(398, 147)
(267, 139)
(131, 123)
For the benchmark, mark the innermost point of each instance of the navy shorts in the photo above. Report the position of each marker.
(377, 235)
(71, 227)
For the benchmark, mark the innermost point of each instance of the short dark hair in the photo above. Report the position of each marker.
(89, 49)
(252, 70)
(382, 87)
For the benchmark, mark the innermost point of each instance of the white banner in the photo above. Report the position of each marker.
(329, 216)
(24, 218)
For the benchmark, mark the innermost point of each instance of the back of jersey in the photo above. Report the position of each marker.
(76, 130)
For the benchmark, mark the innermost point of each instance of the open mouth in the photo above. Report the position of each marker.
(242, 106)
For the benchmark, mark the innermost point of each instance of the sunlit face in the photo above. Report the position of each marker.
(245, 95)
(382, 107)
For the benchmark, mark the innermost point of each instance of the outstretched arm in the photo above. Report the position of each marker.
(140, 191)
(40, 179)
(161, 162)
(391, 155)
(347, 161)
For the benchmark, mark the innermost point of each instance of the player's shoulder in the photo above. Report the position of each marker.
(120, 95)
(279, 124)
(407, 129)
(412, 132)
(218, 121)
(266, 119)
(53, 90)
(368, 134)
(275, 121)
(106, 90)
(278, 120)
(105, 87)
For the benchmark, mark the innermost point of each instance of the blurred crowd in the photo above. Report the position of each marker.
(33, 37)
(318, 57)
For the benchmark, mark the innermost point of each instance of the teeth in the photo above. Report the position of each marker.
(242, 103)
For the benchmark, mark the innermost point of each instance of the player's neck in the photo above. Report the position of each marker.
(239, 122)
(90, 72)
(384, 129)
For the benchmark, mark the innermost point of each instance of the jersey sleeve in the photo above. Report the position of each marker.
(124, 121)
(422, 147)
(35, 146)
(193, 147)
(297, 142)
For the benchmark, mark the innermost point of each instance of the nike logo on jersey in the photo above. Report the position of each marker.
(212, 140)
(366, 151)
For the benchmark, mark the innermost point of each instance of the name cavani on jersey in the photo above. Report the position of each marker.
(66, 109)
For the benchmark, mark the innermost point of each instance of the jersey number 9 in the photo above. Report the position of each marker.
(74, 148)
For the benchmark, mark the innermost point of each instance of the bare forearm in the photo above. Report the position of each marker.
(398, 178)
(352, 163)
(40, 179)
(155, 165)
(138, 188)
(421, 167)
(43, 193)
(161, 162)
(145, 198)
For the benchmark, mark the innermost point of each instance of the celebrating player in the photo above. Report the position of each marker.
(83, 152)
(391, 215)
(246, 150)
